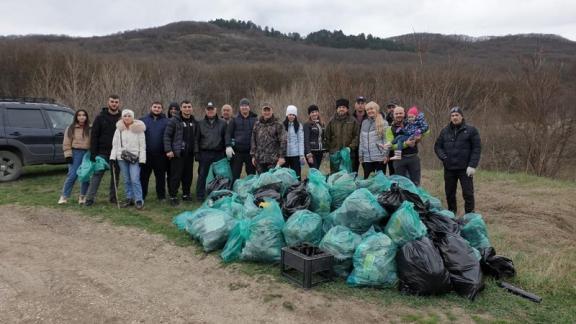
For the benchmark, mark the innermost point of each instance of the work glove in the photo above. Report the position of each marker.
(470, 171)
(229, 152)
(69, 160)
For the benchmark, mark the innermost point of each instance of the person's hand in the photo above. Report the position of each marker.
(302, 161)
(69, 160)
(170, 154)
(470, 171)
(229, 152)
(410, 143)
(310, 159)
(254, 162)
(418, 137)
(386, 159)
(281, 162)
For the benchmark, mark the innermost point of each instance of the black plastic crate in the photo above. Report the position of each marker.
(306, 265)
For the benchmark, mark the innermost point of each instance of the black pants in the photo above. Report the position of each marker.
(293, 162)
(390, 164)
(451, 178)
(181, 172)
(205, 159)
(317, 159)
(372, 166)
(355, 156)
(409, 167)
(157, 163)
(239, 160)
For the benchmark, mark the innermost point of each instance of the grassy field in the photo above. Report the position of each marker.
(531, 220)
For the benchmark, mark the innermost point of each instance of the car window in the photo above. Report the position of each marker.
(24, 118)
(59, 119)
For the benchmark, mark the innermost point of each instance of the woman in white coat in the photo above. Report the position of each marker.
(129, 150)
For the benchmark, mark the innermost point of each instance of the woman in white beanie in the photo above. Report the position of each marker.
(129, 149)
(295, 157)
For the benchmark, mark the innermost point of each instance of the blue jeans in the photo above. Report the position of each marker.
(131, 175)
(77, 155)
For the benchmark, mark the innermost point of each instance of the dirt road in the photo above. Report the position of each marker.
(62, 267)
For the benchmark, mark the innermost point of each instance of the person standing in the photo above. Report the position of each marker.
(238, 140)
(409, 165)
(179, 146)
(227, 113)
(101, 136)
(76, 144)
(268, 144)
(373, 146)
(360, 115)
(295, 157)
(314, 138)
(156, 161)
(459, 147)
(210, 146)
(129, 150)
(342, 131)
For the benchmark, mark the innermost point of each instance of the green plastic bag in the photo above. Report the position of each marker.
(341, 185)
(341, 242)
(265, 239)
(266, 179)
(181, 219)
(475, 231)
(303, 226)
(219, 168)
(376, 183)
(358, 212)
(236, 241)
(320, 199)
(341, 160)
(87, 168)
(287, 176)
(374, 262)
(445, 212)
(404, 183)
(244, 186)
(405, 225)
(210, 227)
(435, 203)
(227, 201)
(250, 208)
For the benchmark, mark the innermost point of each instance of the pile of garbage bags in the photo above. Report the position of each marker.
(382, 231)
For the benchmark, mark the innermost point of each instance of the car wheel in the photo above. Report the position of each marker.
(10, 166)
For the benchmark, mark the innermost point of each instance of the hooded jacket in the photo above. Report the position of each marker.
(268, 141)
(155, 127)
(239, 132)
(458, 147)
(131, 139)
(342, 131)
(102, 132)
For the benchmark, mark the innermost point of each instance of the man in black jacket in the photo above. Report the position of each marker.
(179, 145)
(458, 146)
(210, 146)
(238, 139)
(101, 137)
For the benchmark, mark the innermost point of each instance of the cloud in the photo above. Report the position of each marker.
(380, 18)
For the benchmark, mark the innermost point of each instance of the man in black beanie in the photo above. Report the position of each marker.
(342, 131)
(458, 147)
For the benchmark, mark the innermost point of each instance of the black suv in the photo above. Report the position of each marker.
(31, 132)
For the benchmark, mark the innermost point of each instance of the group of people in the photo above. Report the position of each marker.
(169, 144)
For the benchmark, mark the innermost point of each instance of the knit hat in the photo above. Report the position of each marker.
(342, 102)
(174, 105)
(413, 111)
(127, 112)
(292, 110)
(312, 108)
(458, 110)
(244, 102)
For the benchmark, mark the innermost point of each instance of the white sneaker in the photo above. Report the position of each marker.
(63, 200)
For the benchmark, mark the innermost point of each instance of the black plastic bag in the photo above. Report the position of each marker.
(271, 191)
(296, 198)
(421, 269)
(219, 183)
(496, 265)
(393, 198)
(461, 262)
(439, 225)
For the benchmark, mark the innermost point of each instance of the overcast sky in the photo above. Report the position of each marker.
(382, 18)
